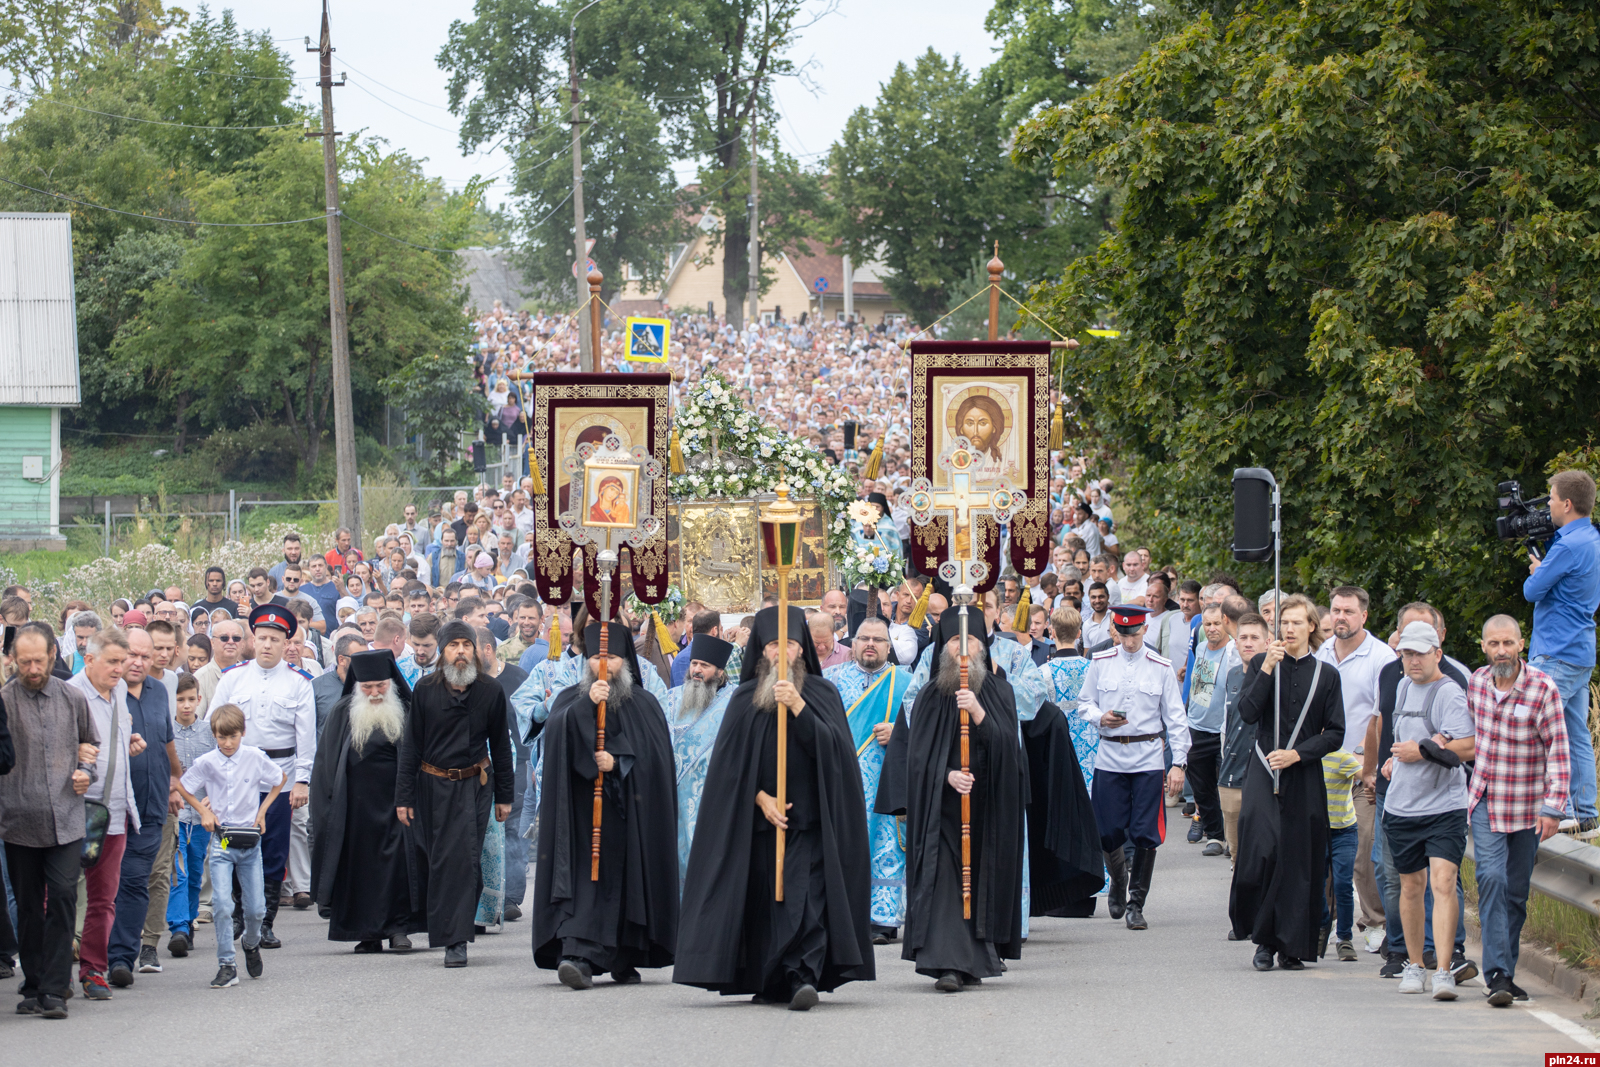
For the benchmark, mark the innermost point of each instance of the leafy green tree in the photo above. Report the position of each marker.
(441, 401)
(665, 79)
(1356, 247)
(243, 324)
(111, 291)
(923, 181)
(222, 76)
(41, 41)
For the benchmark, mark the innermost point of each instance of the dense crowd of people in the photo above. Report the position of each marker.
(392, 733)
(807, 378)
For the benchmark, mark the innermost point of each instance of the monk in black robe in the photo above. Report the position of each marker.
(363, 863)
(1282, 865)
(955, 951)
(1064, 858)
(736, 938)
(628, 918)
(455, 765)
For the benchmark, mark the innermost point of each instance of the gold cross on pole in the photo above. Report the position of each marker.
(963, 504)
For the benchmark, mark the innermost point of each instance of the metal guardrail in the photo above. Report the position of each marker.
(1567, 870)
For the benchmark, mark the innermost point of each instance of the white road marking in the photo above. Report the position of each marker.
(1581, 1034)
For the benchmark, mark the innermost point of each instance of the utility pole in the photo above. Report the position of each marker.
(344, 416)
(590, 352)
(755, 221)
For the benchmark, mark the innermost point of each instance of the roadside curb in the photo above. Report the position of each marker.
(1575, 983)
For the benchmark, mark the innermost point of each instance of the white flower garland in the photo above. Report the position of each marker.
(712, 406)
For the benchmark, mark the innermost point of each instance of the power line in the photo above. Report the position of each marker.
(396, 107)
(160, 218)
(396, 92)
(149, 122)
(391, 237)
(230, 225)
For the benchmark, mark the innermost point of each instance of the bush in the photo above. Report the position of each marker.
(261, 452)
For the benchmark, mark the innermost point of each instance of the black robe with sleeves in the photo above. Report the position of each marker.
(1282, 865)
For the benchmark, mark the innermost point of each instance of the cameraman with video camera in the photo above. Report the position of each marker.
(1564, 589)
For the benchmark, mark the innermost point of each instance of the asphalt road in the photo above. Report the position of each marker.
(1087, 991)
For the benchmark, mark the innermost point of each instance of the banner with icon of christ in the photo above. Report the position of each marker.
(996, 396)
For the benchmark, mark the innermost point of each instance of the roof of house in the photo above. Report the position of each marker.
(490, 276)
(831, 267)
(38, 314)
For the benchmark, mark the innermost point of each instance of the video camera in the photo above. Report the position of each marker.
(1524, 520)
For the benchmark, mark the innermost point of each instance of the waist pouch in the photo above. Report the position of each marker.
(238, 838)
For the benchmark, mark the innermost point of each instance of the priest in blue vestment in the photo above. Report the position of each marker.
(874, 691)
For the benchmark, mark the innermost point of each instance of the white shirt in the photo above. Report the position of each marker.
(119, 797)
(233, 784)
(1096, 631)
(1133, 591)
(280, 712)
(1358, 680)
(1143, 688)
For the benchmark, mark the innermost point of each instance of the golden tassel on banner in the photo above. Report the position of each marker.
(535, 474)
(1058, 425)
(669, 648)
(874, 461)
(675, 455)
(555, 638)
(919, 614)
(1020, 623)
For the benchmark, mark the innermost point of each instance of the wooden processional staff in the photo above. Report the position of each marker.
(964, 570)
(780, 540)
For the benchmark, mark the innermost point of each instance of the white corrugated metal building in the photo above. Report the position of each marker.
(38, 374)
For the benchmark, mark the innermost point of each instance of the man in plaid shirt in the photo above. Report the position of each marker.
(1518, 792)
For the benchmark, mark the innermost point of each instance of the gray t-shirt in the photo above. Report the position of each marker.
(1425, 788)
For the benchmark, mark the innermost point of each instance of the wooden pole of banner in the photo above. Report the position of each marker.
(595, 278)
(996, 268)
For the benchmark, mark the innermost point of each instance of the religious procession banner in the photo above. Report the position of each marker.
(995, 395)
(569, 410)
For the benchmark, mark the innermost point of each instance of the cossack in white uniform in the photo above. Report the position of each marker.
(280, 713)
(1142, 687)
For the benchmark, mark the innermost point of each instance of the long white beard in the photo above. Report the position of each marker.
(767, 680)
(460, 677)
(1507, 671)
(697, 697)
(385, 716)
(950, 672)
(620, 680)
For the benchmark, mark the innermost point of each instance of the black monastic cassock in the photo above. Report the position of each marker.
(1065, 863)
(363, 861)
(936, 937)
(453, 730)
(735, 937)
(1282, 864)
(629, 918)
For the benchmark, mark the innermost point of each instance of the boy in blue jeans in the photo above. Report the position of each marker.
(235, 776)
(1339, 770)
(193, 738)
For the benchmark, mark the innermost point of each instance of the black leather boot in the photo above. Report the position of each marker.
(1144, 864)
(1117, 894)
(268, 938)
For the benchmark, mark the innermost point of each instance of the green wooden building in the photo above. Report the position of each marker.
(38, 374)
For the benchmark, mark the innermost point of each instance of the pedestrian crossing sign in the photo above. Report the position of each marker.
(648, 340)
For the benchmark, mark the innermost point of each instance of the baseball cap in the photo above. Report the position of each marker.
(1418, 636)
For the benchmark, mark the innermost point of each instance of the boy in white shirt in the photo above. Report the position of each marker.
(241, 783)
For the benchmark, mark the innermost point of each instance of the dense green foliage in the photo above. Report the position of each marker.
(188, 329)
(923, 180)
(430, 389)
(663, 80)
(1358, 246)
